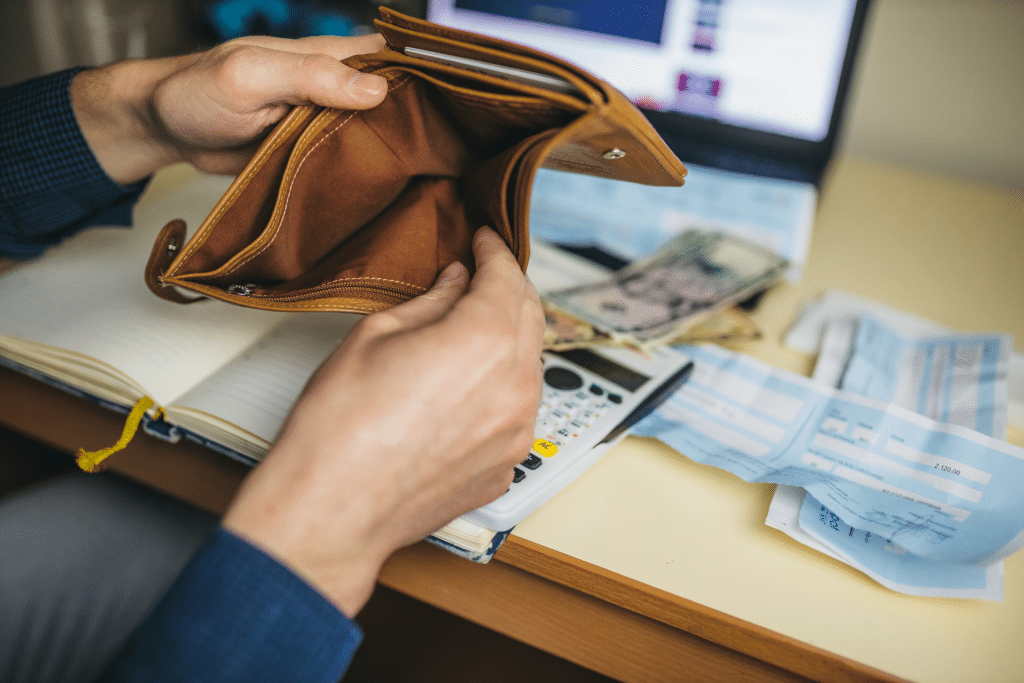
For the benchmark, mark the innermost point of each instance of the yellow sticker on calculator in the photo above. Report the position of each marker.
(545, 447)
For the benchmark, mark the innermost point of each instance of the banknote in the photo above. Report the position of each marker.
(658, 298)
(727, 325)
(563, 331)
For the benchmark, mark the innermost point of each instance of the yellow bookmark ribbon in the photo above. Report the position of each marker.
(90, 460)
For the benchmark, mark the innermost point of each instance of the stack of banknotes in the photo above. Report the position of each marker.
(685, 292)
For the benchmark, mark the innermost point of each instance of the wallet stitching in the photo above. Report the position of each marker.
(331, 284)
(367, 277)
(291, 185)
(334, 307)
(296, 304)
(266, 151)
(287, 198)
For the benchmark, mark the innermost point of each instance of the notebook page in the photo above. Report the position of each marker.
(88, 295)
(256, 390)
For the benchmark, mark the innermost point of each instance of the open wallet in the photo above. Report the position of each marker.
(359, 211)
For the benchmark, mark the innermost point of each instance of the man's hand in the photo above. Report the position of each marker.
(213, 108)
(418, 417)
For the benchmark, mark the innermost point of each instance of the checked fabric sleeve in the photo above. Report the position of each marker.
(51, 185)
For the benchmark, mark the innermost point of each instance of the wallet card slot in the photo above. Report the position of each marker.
(427, 37)
(486, 84)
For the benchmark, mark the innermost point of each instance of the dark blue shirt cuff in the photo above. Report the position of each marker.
(51, 184)
(236, 614)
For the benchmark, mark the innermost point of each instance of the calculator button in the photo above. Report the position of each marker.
(596, 390)
(532, 462)
(545, 447)
(558, 416)
(545, 427)
(562, 378)
(517, 475)
(614, 398)
(570, 408)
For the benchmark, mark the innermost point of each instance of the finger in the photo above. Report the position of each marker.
(368, 89)
(259, 76)
(531, 326)
(451, 284)
(323, 80)
(498, 275)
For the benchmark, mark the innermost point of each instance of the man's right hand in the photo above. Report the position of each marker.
(418, 417)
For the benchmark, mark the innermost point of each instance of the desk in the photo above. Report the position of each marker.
(690, 584)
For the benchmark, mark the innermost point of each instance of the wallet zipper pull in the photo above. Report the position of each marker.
(241, 290)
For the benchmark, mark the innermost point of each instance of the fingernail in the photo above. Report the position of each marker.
(366, 84)
(455, 271)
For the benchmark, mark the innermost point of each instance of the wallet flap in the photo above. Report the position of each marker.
(623, 143)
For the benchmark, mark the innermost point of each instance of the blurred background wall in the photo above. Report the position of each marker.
(938, 86)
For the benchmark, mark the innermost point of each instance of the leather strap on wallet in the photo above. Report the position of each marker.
(361, 210)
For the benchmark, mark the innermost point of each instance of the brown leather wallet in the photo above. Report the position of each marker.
(361, 210)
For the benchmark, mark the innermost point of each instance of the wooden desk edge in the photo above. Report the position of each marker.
(686, 630)
(718, 627)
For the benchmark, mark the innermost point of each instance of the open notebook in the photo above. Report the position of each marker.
(748, 94)
(82, 319)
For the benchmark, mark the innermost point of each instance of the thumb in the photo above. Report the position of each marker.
(258, 71)
(434, 303)
(329, 83)
(320, 79)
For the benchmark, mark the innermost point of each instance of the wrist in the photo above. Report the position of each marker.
(347, 582)
(113, 107)
(326, 533)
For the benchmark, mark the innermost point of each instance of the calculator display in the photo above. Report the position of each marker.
(628, 379)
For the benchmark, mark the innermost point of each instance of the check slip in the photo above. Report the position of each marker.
(938, 502)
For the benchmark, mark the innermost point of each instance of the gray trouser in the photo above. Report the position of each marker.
(83, 559)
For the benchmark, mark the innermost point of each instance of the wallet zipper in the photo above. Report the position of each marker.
(397, 292)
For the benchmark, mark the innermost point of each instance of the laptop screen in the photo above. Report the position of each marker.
(739, 66)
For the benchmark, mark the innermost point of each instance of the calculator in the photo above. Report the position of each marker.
(591, 398)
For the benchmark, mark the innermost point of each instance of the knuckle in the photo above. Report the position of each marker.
(379, 324)
(321, 69)
(234, 67)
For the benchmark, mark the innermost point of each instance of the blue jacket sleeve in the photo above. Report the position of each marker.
(235, 614)
(51, 185)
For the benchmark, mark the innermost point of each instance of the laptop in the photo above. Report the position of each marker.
(748, 94)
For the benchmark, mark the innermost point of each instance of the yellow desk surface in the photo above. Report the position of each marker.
(932, 246)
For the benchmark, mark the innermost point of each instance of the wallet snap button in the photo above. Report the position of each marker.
(241, 290)
(614, 154)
